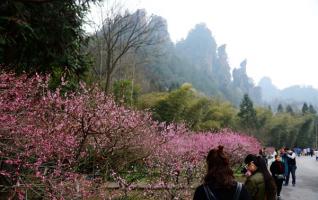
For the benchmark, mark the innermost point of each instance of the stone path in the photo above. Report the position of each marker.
(306, 181)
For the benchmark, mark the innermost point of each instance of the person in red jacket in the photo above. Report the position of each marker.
(278, 170)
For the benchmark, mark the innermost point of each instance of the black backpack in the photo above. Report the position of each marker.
(211, 196)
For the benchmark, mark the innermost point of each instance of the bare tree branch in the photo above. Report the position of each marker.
(121, 33)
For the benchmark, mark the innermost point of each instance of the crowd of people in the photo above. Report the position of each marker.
(306, 152)
(283, 166)
(263, 182)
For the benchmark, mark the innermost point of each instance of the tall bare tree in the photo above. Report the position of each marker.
(122, 33)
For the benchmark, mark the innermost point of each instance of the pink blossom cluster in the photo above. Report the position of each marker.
(197, 145)
(50, 133)
(187, 151)
(46, 136)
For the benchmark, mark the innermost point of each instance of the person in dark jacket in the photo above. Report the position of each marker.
(219, 183)
(262, 153)
(260, 184)
(291, 160)
(278, 172)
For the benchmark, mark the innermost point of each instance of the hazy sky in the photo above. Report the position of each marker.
(279, 38)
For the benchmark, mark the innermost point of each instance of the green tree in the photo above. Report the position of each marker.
(209, 114)
(312, 110)
(196, 112)
(173, 108)
(125, 92)
(44, 36)
(150, 100)
(280, 108)
(283, 130)
(289, 109)
(247, 114)
(264, 118)
(304, 137)
(305, 109)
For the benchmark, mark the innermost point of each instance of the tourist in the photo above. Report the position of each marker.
(262, 153)
(284, 159)
(305, 151)
(311, 152)
(219, 183)
(260, 184)
(308, 151)
(278, 172)
(291, 160)
(316, 154)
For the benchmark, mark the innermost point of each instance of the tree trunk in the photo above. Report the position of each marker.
(109, 70)
(107, 84)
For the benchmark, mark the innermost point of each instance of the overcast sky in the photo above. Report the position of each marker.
(279, 38)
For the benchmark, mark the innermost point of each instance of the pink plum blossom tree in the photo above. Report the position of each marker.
(51, 135)
(65, 145)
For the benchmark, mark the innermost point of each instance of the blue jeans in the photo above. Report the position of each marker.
(292, 170)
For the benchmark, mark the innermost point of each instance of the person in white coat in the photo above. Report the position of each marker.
(316, 154)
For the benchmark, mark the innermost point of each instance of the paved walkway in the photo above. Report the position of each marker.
(306, 181)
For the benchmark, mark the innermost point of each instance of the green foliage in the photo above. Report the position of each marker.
(305, 131)
(289, 109)
(263, 116)
(173, 108)
(135, 172)
(186, 105)
(289, 129)
(280, 108)
(209, 114)
(149, 100)
(125, 92)
(44, 37)
(305, 109)
(202, 113)
(312, 110)
(247, 114)
(283, 130)
(196, 112)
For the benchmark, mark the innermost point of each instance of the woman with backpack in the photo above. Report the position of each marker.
(219, 183)
(260, 184)
(278, 172)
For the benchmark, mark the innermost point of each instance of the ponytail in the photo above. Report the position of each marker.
(270, 186)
